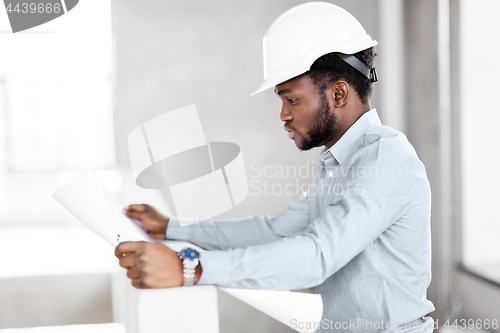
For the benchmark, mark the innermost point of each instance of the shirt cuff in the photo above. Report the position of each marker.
(175, 231)
(216, 267)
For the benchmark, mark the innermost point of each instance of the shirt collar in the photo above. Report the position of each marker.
(345, 146)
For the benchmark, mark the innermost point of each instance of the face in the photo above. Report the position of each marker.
(309, 120)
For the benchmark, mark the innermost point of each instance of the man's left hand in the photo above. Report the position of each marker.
(151, 265)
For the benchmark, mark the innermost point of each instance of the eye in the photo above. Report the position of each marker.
(292, 100)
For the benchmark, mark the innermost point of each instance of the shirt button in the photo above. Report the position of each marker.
(330, 174)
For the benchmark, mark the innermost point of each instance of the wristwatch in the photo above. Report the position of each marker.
(190, 259)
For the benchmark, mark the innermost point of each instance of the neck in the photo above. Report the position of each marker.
(346, 117)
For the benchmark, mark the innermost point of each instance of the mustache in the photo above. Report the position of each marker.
(290, 127)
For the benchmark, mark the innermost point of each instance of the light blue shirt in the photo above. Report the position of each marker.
(360, 237)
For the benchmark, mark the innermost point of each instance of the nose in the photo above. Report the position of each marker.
(285, 115)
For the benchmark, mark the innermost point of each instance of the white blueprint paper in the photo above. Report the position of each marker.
(92, 203)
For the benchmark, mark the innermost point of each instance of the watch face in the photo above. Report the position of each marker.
(189, 253)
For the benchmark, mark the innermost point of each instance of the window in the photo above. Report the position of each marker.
(479, 30)
(56, 112)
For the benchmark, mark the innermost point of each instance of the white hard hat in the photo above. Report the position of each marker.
(306, 32)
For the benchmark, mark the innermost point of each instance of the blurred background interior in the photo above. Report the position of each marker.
(73, 89)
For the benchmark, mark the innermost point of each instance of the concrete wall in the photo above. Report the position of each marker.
(478, 299)
(422, 121)
(55, 300)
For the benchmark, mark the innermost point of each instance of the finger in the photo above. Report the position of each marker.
(134, 273)
(138, 283)
(155, 234)
(133, 211)
(137, 208)
(129, 261)
(127, 247)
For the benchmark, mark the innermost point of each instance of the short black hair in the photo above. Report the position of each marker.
(330, 68)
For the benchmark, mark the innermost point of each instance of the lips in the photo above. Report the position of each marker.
(290, 132)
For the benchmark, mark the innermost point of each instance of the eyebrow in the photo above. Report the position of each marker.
(283, 91)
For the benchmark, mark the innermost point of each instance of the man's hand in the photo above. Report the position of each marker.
(154, 222)
(152, 265)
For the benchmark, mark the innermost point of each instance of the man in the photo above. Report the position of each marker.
(361, 236)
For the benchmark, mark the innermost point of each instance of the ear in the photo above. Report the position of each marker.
(340, 92)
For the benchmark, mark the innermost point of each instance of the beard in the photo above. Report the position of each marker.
(322, 128)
